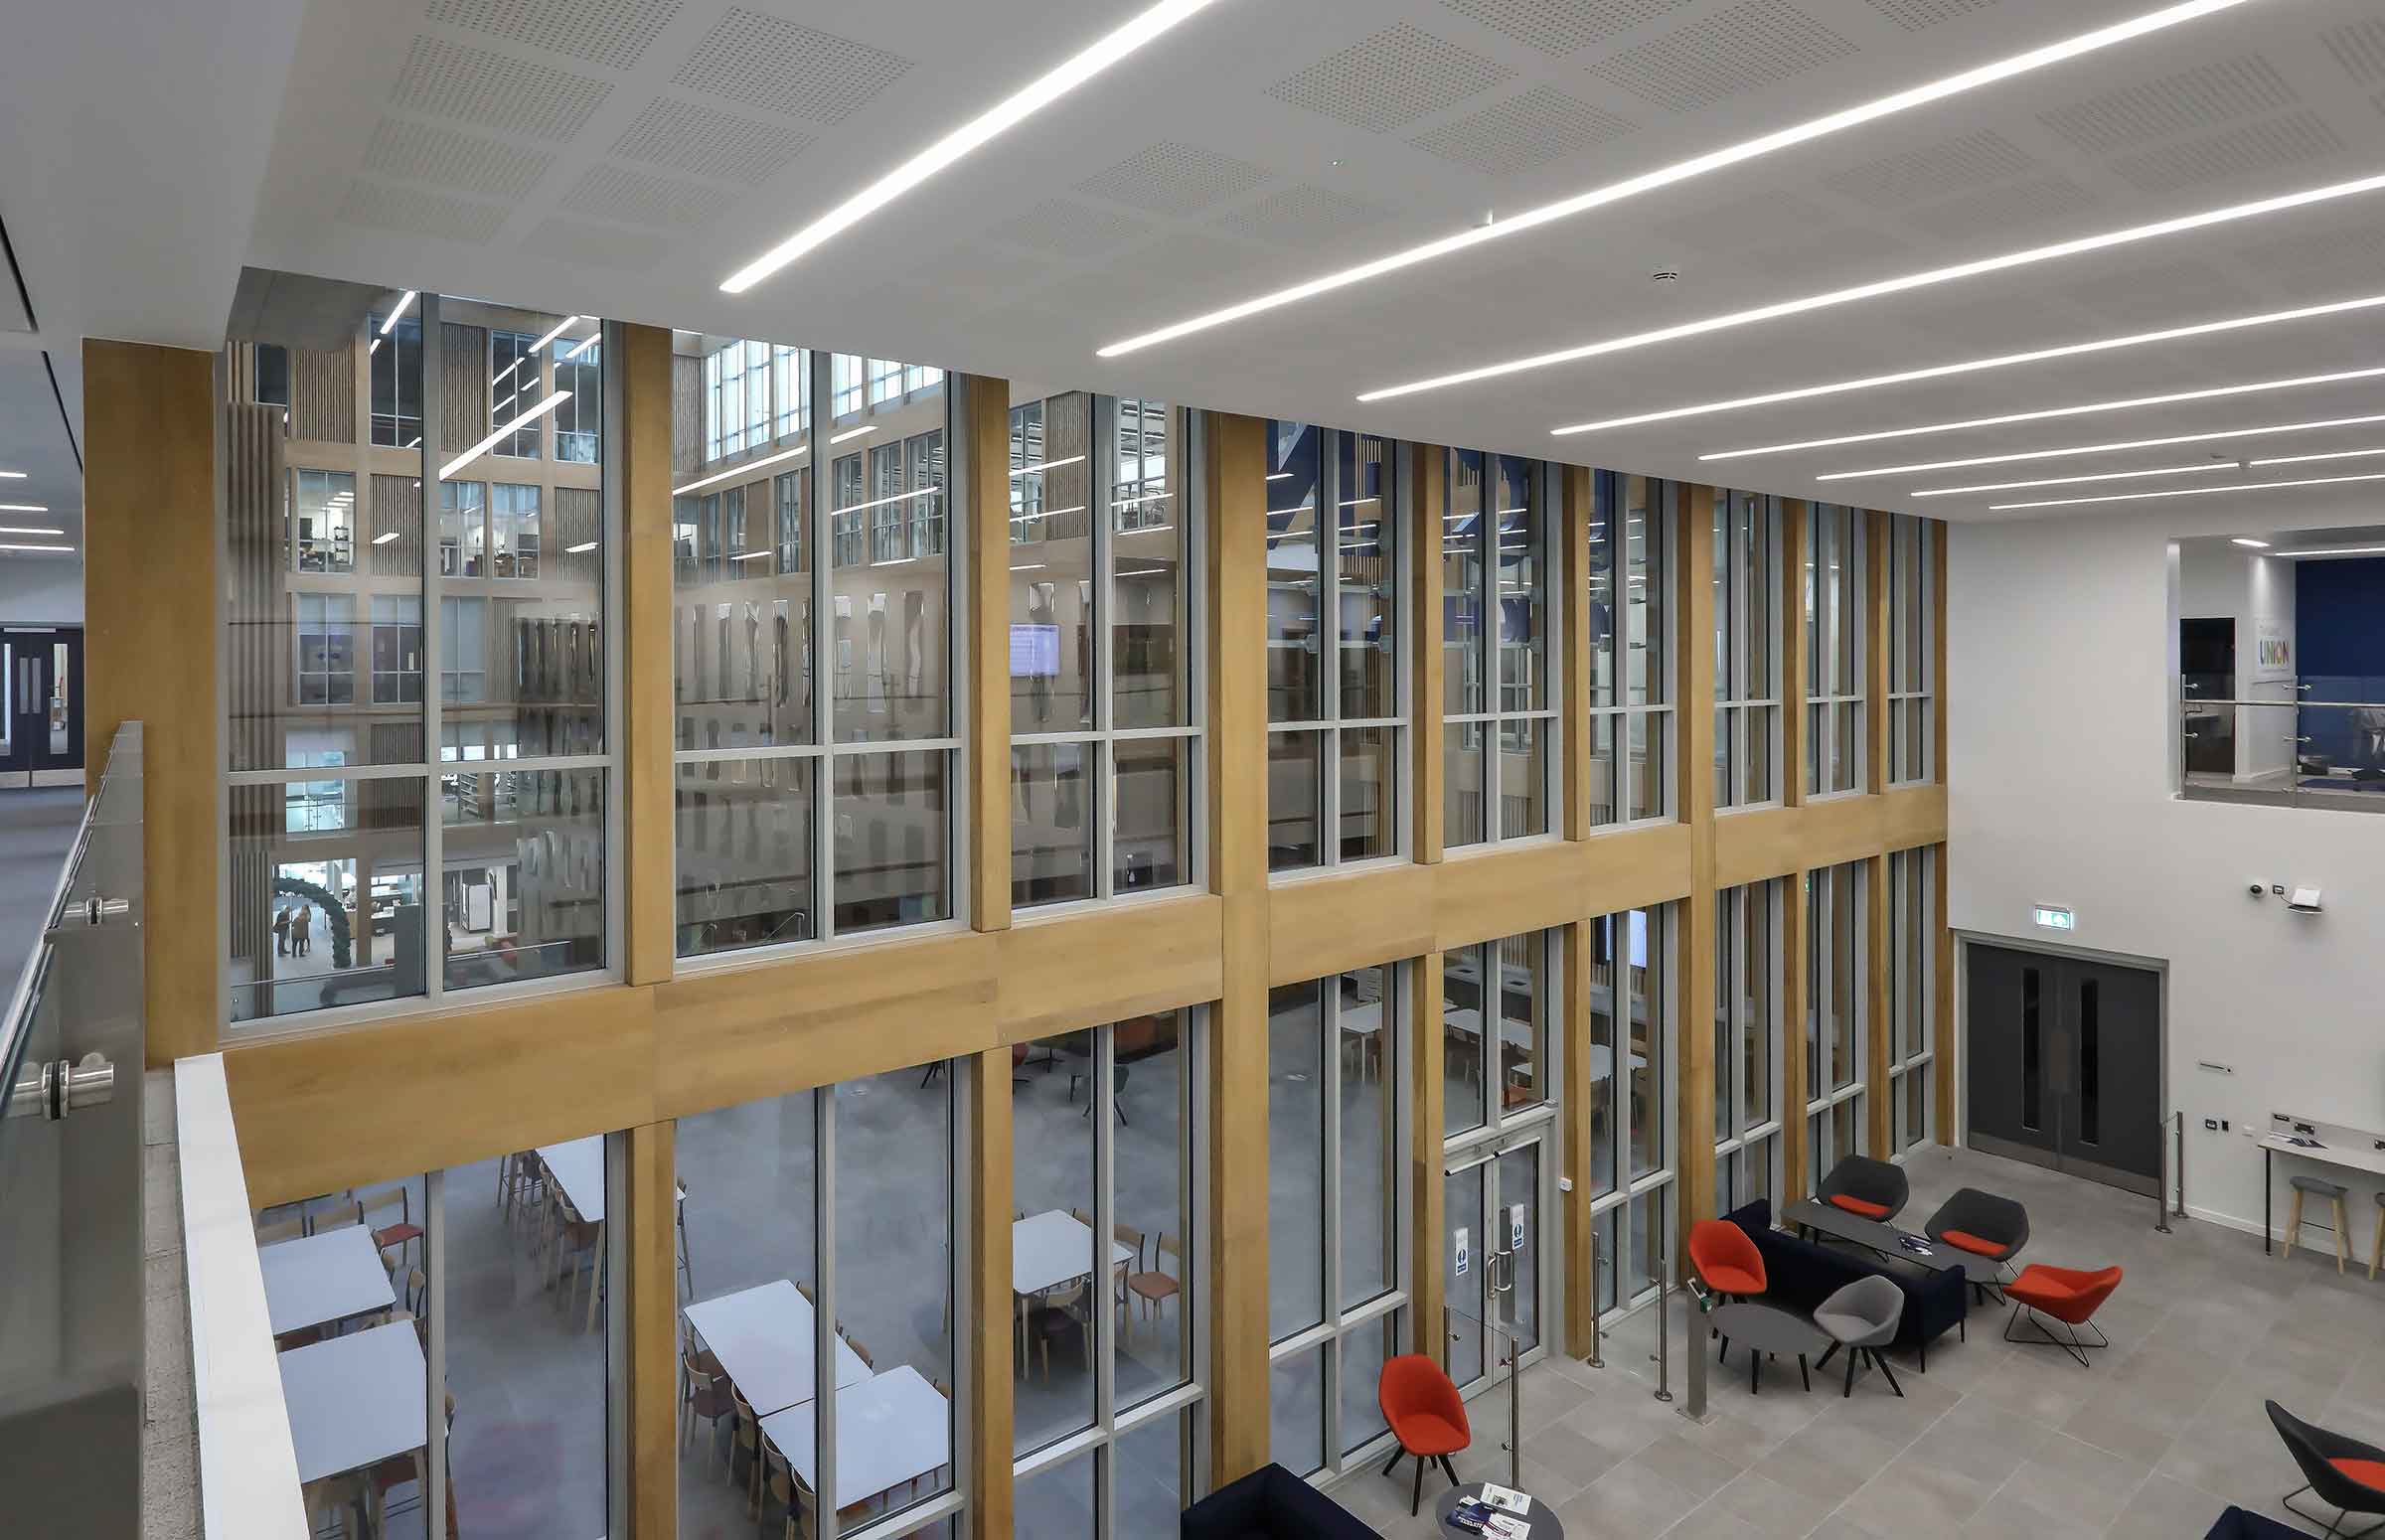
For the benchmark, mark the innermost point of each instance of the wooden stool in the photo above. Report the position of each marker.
(2333, 1193)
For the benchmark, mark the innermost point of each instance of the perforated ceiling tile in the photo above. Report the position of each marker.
(770, 62)
(2294, 139)
(1753, 44)
(1561, 27)
(645, 196)
(1914, 15)
(414, 210)
(1173, 177)
(2014, 205)
(1300, 215)
(689, 136)
(1541, 125)
(2359, 47)
(2244, 86)
(2167, 292)
(468, 163)
(1390, 79)
(494, 91)
(1067, 227)
(577, 242)
(613, 32)
(1932, 169)
(1768, 217)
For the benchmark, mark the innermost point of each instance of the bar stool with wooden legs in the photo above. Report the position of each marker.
(2376, 1250)
(2332, 1191)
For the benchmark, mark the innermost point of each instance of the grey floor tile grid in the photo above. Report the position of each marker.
(2162, 1433)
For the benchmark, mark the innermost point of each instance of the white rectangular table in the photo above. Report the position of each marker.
(354, 1400)
(892, 1429)
(1054, 1248)
(763, 1339)
(2339, 1144)
(579, 1168)
(322, 1278)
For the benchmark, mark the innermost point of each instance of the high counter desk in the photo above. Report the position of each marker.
(2330, 1144)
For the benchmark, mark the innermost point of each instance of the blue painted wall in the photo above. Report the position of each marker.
(2339, 635)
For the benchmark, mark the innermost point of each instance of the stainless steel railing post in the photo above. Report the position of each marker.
(1596, 1333)
(2179, 1174)
(1663, 1328)
(2161, 1187)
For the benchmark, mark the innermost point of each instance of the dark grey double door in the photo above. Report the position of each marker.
(2064, 1068)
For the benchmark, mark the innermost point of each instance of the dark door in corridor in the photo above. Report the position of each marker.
(41, 733)
(2065, 1064)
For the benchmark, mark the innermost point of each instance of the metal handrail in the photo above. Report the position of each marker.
(17, 1028)
(2349, 705)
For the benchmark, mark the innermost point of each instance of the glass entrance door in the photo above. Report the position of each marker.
(43, 745)
(1495, 1271)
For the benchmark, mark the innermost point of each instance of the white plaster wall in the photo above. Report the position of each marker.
(35, 591)
(2061, 647)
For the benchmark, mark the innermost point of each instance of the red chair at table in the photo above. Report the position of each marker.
(2066, 1294)
(1427, 1416)
(1726, 1260)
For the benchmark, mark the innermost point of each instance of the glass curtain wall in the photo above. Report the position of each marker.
(1337, 1193)
(1104, 716)
(1515, 981)
(1747, 680)
(1498, 690)
(1912, 648)
(1336, 702)
(1630, 653)
(817, 742)
(1836, 579)
(1747, 1044)
(1837, 1017)
(1102, 1166)
(1630, 1130)
(416, 712)
(818, 1239)
(1913, 992)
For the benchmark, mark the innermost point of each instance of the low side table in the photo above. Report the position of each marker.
(1542, 1519)
(1766, 1328)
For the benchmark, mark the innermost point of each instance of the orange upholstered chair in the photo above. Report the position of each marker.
(2066, 1294)
(1427, 1416)
(1726, 1259)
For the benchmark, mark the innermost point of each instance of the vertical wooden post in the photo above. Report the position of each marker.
(1794, 511)
(1942, 1013)
(1878, 1000)
(149, 655)
(1581, 1289)
(1425, 1116)
(1796, 1022)
(1234, 465)
(654, 1328)
(649, 883)
(1429, 464)
(989, 1347)
(1693, 1038)
(984, 508)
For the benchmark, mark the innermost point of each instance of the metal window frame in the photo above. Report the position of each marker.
(1828, 617)
(1822, 899)
(1605, 497)
(1498, 1122)
(1745, 690)
(1924, 534)
(1545, 499)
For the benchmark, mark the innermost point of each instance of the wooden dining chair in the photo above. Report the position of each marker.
(1158, 1286)
(858, 1350)
(332, 1497)
(1060, 1313)
(389, 1213)
(703, 1392)
(1127, 1235)
(747, 1446)
(687, 1267)
(806, 1291)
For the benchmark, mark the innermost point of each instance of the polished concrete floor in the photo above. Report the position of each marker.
(2155, 1440)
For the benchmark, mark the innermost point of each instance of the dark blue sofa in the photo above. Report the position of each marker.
(2236, 1524)
(1270, 1503)
(1800, 1275)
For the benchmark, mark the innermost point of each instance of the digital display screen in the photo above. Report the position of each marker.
(1034, 651)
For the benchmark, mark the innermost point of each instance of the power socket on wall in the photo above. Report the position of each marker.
(2216, 1124)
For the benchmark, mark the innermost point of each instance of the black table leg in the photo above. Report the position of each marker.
(1755, 1372)
(2266, 1153)
(1803, 1375)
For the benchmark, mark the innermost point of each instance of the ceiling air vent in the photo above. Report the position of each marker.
(2244, 86)
(612, 33)
(449, 158)
(644, 198)
(1541, 125)
(2360, 49)
(493, 90)
(2293, 139)
(1390, 79)
(772, 62)
(1914, 15)
(1561, 27)
(689, 136)
(1754, 43)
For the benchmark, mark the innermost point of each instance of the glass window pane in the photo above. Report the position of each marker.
(326, 894)
(1150, 563)
(524, 858)
(1645, 763)
(1646, 605)
(1053, 604)
(1364, 1351)
(1052, 819)
(1523, 585)
(1527, 1000)
(746, 845)
(1152, 819)
(1846, 982)
(1756, 1007)
(1150, 1469)
(1846, 1121)
(894, 1259)
(1600, 560)
(1366, 540)
(1601, 770)
(1647, 1040)
(1296, 1151)
(1463, 1104)
(1466, 1216)
(1369, 802)
(1643, 1254)
(1052, 1249)
(1295, 798)
(1463, 807)
(1056, 1500)
(1153, 1167)
(1295, 471)
(393, 357)
(1609, 995)
(1295, 1412)
(1524, 751)
(892, 830)
(1370, 1153)
(891, 578)
(1516, 1228)
(1463, 535)
(323, 521)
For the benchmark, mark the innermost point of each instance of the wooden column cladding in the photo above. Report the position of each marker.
(1879, 1139)
(1941, 1015)
(1796, 1020)
(984, 508)
(648, 731)
(1428, 465)
(1235, 470)
(149, 652)
(990, 1410)
(1693, 929)
(654, 1380)
(255, 667)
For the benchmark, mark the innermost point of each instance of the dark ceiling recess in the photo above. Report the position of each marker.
(16, 275)
(297, 311)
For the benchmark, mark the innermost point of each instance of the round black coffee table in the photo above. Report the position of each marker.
(1764, 1329)
(1543, 1522)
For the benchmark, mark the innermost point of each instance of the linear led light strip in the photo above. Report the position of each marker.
(533, 351)
(2199, 467)
(521, 421)
(1048, 513)
(24, 507)
(899, 496)
(838, 438)
(1682, 171)
(20, 475)
(2305, 459)
(1039, 93)
(1886, 287)
(2128, 443)
(581, 549)
(748, 468)
(57, 549)
(11, 529)
(2198, 492)
(390, 324)
(1973, 366)
(2347, 551)
(2086, 408)
(1047, 465)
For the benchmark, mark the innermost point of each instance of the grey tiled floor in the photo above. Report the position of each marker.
(2163, 1431)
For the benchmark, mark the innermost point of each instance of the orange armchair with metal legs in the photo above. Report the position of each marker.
(2065, 1295)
